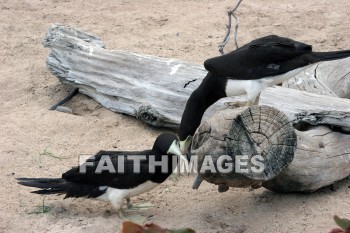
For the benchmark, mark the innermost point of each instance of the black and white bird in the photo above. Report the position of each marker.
(129, 175)
(259, 64)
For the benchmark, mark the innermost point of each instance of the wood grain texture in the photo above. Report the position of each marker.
(321, 159)
(330, 78)
(305, 107)
(257, 130)
(151, 88)
(321, 155)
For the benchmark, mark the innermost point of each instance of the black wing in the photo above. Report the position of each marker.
(266, 56)
(95, 170)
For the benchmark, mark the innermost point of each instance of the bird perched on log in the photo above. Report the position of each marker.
(263, 62)
(114, 175)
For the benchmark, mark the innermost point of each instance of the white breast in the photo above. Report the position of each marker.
(253, 87)
(238, 87)
(117, 196)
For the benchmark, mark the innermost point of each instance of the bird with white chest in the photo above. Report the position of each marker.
(129, 174)
(263, 62)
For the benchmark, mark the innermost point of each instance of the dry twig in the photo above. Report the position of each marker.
(230, 14)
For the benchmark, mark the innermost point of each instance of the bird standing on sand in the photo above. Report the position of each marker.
(259, 64)
(128, 179)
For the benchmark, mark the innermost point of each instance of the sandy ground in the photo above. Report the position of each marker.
(188, 30)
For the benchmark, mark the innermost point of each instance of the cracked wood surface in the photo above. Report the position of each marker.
(257, 130)
(322, 158)
(305, 107)
(151, 88)
(330, 78)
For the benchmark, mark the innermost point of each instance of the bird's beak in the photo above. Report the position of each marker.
(174, 149)
(185, 145)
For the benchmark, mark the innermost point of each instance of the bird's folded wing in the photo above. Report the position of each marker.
(113, 176)
(260, 58)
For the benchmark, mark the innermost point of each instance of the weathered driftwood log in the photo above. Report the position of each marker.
(151, 88)
(326, 78)
(260, 142)
(156, 89)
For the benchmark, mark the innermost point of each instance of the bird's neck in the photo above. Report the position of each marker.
(169, 163)
(192, 116)
(209, 91)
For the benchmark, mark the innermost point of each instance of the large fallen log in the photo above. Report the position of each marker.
(322, 154)
(151, 88)
(156, 89)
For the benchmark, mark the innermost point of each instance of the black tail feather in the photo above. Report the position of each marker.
(334, 55)
(47, 185)
(60, 186)
(48, 191)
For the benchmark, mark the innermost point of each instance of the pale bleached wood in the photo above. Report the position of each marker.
(307, 107)
(325, 78)
(152, 88)
(69, 32)
(321, 159)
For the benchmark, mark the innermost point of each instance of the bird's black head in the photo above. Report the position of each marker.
(167, 143)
